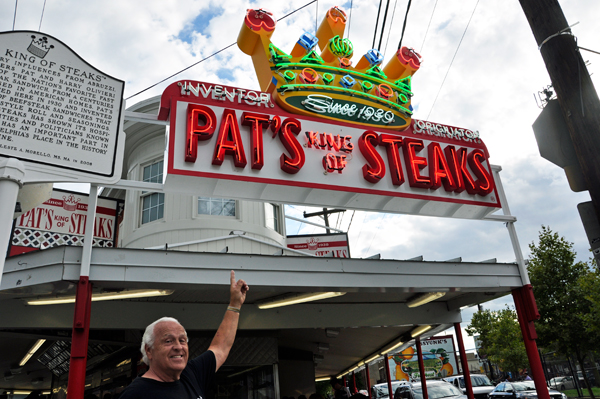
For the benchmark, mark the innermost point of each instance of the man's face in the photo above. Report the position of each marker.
(169, 354)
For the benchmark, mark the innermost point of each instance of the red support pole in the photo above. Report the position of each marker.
(463, 361)
(421, 367)
(527, 312)
(388, 375)
(79, 340)
(354, 382)
(368, 380)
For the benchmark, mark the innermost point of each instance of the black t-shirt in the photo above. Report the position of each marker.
(192, 384)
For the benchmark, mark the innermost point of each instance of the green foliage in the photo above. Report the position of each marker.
(501, 339)
(565, 291)
(590, 285)
(561, 301)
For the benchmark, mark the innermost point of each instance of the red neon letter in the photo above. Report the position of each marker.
(392, 145)
(229, 141)
(414, 164)
(471, 185)
(329, 163)
(454, 165)
(484, 180)
(439, 171)
(257, 122)
(197, 113)
(311, 139)
(333, 143)
(289, 130)
(374, 169)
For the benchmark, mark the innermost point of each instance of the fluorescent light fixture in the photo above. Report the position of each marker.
(419, 330)
(32, 351)
(424, 298)
(298, 298)
(321, 379)
(322, 346)
(331, 333)
(369, 360)
(391, 348)
(104, 296)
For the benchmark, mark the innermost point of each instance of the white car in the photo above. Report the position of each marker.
(562, 383)
(380, 391)
(482, 385)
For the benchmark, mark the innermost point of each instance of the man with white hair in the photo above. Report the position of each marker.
(165, 351)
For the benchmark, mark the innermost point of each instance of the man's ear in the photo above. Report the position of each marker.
(148, 352)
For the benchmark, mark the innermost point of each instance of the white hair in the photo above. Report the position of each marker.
(148, 338)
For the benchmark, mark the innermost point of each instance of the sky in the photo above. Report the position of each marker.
(484, 78)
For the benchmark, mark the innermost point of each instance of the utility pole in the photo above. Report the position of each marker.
(326, 212)
(575, 91)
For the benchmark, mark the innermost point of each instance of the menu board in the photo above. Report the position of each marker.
(55, 108)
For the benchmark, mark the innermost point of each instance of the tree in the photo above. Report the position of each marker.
(561, 301)
(500, 337)
(590, 285)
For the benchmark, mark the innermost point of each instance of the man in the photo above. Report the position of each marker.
(165, 351)
(339, 391)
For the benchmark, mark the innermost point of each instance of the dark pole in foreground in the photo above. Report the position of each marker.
(463, 361)
(575, 91)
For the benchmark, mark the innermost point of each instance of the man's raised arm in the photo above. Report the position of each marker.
(223, 340)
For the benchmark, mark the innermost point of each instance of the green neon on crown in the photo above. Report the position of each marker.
(340, 47)
(371, 97)
(399, 85)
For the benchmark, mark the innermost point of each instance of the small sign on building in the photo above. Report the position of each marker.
(61, 221)
(323, 245)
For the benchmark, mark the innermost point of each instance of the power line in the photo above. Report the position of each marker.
(387, 7)
(42, 17)
(391, 24)
(204, 59)
(404, 24)
(349, 19)
(428, 25)
(15, 17)
(376, 24)
(451, 62)
(376, 232)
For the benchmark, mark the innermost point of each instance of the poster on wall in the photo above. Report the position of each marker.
(439, 360)
(61, 221)
(322, 245)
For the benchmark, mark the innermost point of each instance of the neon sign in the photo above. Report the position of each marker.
(307, 81)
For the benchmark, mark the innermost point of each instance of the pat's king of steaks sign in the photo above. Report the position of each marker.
(322, 132)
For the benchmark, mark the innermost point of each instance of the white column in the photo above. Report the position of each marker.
(12, 173)
(88, 240)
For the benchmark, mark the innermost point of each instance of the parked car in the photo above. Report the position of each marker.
(522, 389)
(590, 376)
(380, 391)
(481, 384)
(562, 383)
(436, 389)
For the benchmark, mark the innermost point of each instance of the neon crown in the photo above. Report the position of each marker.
(326, 84)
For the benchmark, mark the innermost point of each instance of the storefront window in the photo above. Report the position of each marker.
(272, 219)
(153, 204)
(216, 206)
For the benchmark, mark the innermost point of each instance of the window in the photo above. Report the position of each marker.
(272, 216)
(153, 204)
(216, 206)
